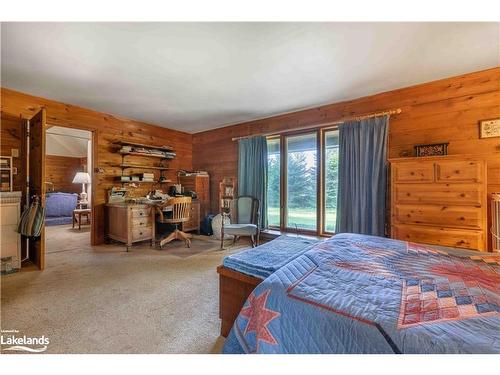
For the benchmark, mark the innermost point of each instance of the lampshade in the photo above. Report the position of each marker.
(81, 178)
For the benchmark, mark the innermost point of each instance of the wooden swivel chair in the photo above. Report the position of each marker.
(181, 208)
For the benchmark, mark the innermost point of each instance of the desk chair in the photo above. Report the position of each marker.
(244, 216)
(181, 207)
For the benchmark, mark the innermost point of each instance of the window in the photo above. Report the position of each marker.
(273, 182)
(294, 185)
(331, 179)
(301, 181)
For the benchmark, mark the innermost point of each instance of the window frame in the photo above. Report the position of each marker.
(278, 227)
(325, 130)
(320, 134)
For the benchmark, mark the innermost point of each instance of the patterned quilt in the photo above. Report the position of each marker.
(264, 260)
(364, 294)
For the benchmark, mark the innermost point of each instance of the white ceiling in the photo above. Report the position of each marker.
(198, 76)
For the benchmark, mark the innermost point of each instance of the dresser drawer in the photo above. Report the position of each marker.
(140, 234)
(9, 214)
(9, 250)
(442, 215)
(141, 212)
(466, 239)
(413, 172)
(459, 171)
(458, 194)
(141, 222)
(8, 234)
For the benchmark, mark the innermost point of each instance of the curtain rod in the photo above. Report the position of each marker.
(324, 124)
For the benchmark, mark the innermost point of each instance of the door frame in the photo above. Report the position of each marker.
(93, 174)
(36, 186)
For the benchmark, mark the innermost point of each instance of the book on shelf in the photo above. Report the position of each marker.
(188, 173)
(127, 149)
(226, 203)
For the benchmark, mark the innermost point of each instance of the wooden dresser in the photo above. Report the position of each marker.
(10, 240)
(440, 200)
(129, 223)
(194, 218)
(201, 185)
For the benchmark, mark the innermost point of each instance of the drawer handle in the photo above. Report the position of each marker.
(140, 213)
(140, 233)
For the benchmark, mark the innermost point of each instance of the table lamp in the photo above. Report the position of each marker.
(82, 178)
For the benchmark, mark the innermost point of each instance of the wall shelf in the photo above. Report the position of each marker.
(165, 153)
(138, 166)
(227, 192)
(146, 182)
(146, 155)
(135, 144)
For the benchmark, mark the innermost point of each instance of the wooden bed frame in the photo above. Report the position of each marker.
(234, 289)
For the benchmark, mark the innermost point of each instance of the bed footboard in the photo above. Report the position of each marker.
(234, 289)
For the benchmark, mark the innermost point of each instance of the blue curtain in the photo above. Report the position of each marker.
(361, 198)
(252, 172)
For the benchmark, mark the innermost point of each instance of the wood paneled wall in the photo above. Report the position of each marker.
(10, 138)
(107, 129)
(60, 171)
(446, 110)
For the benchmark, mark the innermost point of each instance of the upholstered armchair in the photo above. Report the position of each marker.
(244, 218)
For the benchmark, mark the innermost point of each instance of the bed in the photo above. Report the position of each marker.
(59, 208)
(364, 294)
(240, 273)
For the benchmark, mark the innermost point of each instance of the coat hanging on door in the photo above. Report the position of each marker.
(32, 219)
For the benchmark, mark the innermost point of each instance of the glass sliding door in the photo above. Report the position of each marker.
(294, 162)
(273, 181)
(331, 163)
(301, 181)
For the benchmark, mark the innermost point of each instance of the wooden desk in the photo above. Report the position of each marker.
(130, 223)
(193, 224)
(134, 222)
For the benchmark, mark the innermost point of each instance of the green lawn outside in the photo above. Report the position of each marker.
(305, 219)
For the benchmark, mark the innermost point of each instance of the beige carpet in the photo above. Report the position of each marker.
(105, 300)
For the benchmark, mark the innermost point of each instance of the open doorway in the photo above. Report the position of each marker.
(68, 185)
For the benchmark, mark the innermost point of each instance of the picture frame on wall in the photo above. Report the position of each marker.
(434, 149)
(489, 128)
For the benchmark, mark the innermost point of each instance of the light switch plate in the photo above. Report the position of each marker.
(14, 152)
